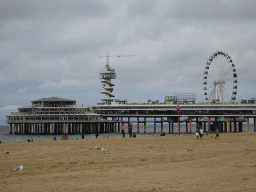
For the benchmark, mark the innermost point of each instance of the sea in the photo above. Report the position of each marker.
(5, 137)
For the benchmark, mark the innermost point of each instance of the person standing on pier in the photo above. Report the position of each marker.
(123, 129)
(130, 129)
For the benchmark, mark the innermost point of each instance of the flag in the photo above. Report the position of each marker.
(178, 107)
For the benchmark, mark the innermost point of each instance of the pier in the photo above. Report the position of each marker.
(225, 117)
(57, 116)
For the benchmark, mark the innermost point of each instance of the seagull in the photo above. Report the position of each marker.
(150, 146)
(6, 152)
(18, 169)
(104, 150)
(98, 148)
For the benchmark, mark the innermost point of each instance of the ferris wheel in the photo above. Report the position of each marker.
(220, 79)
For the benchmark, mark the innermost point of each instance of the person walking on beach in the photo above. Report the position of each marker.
(210, 133)
(217, 133)
(123, 129)
(197, 134)
(130, 129)
(201, 133)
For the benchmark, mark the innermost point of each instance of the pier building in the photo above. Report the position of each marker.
(56, 115)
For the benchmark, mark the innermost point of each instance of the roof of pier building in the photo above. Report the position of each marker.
(53, 102)
(53, 105)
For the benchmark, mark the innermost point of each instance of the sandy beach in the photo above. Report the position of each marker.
(228, 164)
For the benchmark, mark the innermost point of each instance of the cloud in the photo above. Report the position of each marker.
(4, 111)
(22, 90)
(227, 10)
(147, 47)
(9, 108)
(65, 83)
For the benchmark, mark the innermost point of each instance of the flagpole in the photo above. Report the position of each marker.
(178, 109)
(179, 122)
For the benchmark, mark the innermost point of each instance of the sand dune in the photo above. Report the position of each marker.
(228, 164)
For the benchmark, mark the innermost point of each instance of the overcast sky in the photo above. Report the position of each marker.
(51, 48)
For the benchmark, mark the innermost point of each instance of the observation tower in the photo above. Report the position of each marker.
(106, 77)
